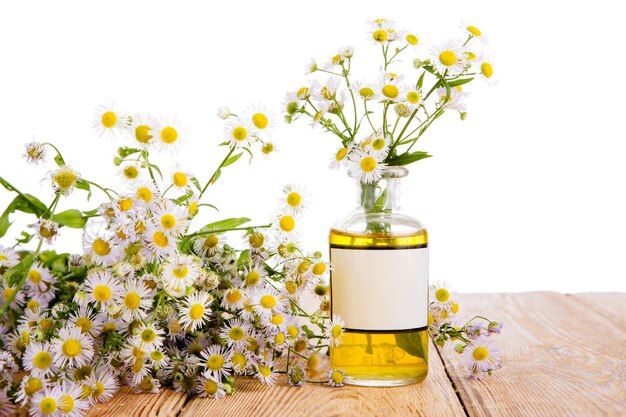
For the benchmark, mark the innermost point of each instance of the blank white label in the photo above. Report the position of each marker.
(380, 289)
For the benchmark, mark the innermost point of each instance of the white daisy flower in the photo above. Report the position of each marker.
(474, 32)
(211, 386)
(158, 359)
(339, 158)
(268, 148)
(216, 360)
(169, 135)
(64, 180)
(148, 337)
(101, 287)
(377, 144)
(38, 360)
(486, 70)
(147, 385)
(260, 120)
(29, 386)
(238, 132)
(241, 360)
(46, 403)
(452, 100)
(311, 67)
(254, 276)
(188, 384)
(136, 300)
(9, 291)
(411, 38)
(481, 356)
(279, 340)
(159, 242)
(382, 32)
(101, 248)
(87, 321)
(285, 224)
(364, 166)
(71, 348)
(327, 92)
(365, 90)
(181, 179)
(336, 378)
(390, 88)
(414, 98)
(334, 331)
(46, 230)
(170, 217)
(268, 302)
(265, 372)
(39, 277)
(235, 333)
(449, 58)
(35, 152)
(234, 299)
(108, 121)
(296, 198)
(146, 192)
(195, 310)
(207, 246)
(124, 206)
(178, 273)
(130, 172)
(72, 403)
(142, 130)
(103, 385)
(8, 257)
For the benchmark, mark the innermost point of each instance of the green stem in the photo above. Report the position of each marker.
(368, 116)
(105, 190)
(209, 232)
(213, 177)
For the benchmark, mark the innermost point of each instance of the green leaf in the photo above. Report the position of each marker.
(14, 274)
(232, 159)
(308, 331)
(218, 174)
(208, 205)
(71, 218)
(59, 160)
(244, 258)
(420, 82)
(26, 238)
(381, 201)
(225, 224)
(4, 223)
(412, 343)
(407, 158)
(195, 182)
(84, 185)
(226, 143)
(25, 203)
(157, 169)
(458, 82)
(90, 213)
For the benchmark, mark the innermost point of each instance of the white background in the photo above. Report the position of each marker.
(526, 194)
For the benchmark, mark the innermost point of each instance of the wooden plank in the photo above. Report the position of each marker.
(612, 305)
(433, 397)
(559, 357)
(167, 403)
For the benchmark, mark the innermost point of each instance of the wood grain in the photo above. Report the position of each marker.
(433, 397)
(167, 403)
(612, 305)
(559, 356)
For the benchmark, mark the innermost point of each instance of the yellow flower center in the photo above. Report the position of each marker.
(160, 239)
(65, 179)
(380, 35)
(42, 360)
(169, 135)
(470, 55)
(131, 172)
(287, 223)
(125, 204)
(109, 119)
(211, 241)
(390, 91)
(253, 278)
(210, 387)
(480, 353)
(193, 208)
(265, 370)
(256, 240)
(268, 301)
(303, 93)
(277, 320)
(84, 323)
(67, 404)
(239, 360)
(181, 273)
(336, 59)
(279, 339)
(336, 331)
(180, 179)
(291, 287)
(240, 133)
(267, 148)
(413, 97)
(368, 164)
(33, 305)
(48, 405)
(3, 258)
(341, 153)
(71, 348)
(33, 385)
(234, 296)
(46, 324)
(102, 293)
(292, 331)
(168, 221)
(132, 300)
(366, 92)
(378, 144)
(327, 93)
(215, 362)
(142, 133)
(196, 311)
(144, 193)
(146, 383)
(337, 377)
(454, 307)
(474, 30)
(319, 268)
(260, 120)
(99, 390)
(148, 335)
(34, 276)
(442, 295)
(294, 199)
(412, 39)
(156, 355)
(447, 58)
(236, 333)
(486, 69)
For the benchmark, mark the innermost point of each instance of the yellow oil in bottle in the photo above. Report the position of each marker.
(380, 358)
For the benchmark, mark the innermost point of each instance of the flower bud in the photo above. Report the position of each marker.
(117, 161)
(459, 348)
(224, 113)
(417, 63)
(463, 115)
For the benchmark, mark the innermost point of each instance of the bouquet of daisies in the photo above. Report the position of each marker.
(150, 303)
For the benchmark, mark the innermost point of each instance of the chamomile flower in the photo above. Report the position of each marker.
(101, 248)
(260, 120)
(195, 310)
(411, 38)
(159, 242)
(414, 98)
(208, 245)
(268, 301)
(327, 92)
(452, 99)
(108, 121)
(170, 217)
(72, 348)
(285, 224)
(46, 403)
(181, 179)
(268, 148)
(254, 276)
(46, 230)
(364, 166)
(35, 152)
(38, 360)
(29, 386)
(265, 372)
(238, 132)
(235, 333)
(142, 130)
(103, 385)
(72, 403)
(178, 273)
(296, 198)
(216, 360)
(64, 180)
(8, 257)
(234, 299)
(365, 90)
(334, 331)
(481, 356)
(382, 32)
(474, 32)
(389, 88)
(336, 378)
(449, 58)
(441, 296)
(377, 144)
(39, 277)
(311, 67)
(101, 287)
(148, 337)
(339, 158)
(8, 291)
(130, 172)
(87, 321)
(169, 135)
(486, 69)
(136, 300)
(124, 205)
(211, 386)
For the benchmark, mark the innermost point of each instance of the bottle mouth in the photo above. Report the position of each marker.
(394, 172)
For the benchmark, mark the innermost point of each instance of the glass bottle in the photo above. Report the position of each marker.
(379, 287)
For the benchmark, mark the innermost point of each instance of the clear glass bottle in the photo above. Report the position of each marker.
(379, 287)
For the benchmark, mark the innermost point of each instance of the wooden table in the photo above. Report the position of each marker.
(562, 355)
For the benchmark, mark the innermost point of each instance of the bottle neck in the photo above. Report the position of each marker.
(381, 196)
